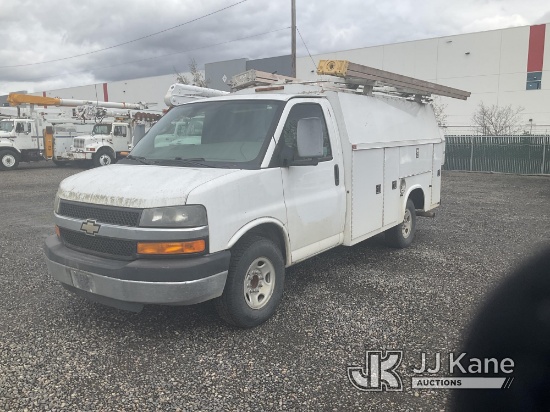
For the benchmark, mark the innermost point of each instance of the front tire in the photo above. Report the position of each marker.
(103, 157)
(402, 235)
(9, 160)
(255, 283)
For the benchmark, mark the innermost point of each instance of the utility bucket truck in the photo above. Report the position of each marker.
(111, 136)
(277, 172)
(37, 136)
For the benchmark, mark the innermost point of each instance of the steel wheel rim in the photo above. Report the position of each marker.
(8, 160)
(104, 160)
(406, 227)
(259, 283)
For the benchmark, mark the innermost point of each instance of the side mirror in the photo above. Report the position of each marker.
(310, 137)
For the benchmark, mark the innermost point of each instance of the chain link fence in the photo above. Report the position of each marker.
(524, 154)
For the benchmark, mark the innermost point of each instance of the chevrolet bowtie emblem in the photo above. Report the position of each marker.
(90, 227)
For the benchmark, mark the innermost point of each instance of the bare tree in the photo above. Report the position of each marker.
(497, 121)
(180, 78)
(439, 111)
(197, 78)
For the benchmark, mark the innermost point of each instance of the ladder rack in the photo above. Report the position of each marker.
(253, 78)
(356, 74)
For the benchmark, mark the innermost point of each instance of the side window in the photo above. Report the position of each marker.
(19, 128)
(120, 131)
(303, 111)
(28, 127)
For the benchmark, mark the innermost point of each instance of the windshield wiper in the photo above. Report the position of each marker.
(139, 159)
(194, 161)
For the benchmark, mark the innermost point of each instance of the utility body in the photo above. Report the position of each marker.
(275, 174)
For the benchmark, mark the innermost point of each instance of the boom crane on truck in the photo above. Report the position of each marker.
(109, 139)
(33, 137)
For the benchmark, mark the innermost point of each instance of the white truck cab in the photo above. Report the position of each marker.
(104, 145)
(21, 140)
(273, 176)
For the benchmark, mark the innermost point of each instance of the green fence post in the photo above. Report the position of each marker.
(543, 154)
(471, 153)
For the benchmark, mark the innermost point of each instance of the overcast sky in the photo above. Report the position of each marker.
(39, 31)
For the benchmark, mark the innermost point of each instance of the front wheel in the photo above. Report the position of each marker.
(255, 283)
(103, 157)
(9, 160)
(402, 235)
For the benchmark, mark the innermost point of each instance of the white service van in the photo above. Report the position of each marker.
(273, 176)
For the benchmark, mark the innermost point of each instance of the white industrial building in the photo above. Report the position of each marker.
(503, 67)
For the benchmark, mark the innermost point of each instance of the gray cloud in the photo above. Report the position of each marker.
(46, 30)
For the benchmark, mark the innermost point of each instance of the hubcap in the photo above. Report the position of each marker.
(104, 160)
(8, 160)
(407, 224)
(259, 283)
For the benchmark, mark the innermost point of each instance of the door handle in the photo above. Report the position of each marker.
(336, 175)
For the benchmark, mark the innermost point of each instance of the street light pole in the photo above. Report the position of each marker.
(293, 47)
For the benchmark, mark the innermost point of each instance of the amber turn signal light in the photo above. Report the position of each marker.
(57, 232)
(171, 248)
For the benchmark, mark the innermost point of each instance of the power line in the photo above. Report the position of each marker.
(157, 57)
(127, 42)
(313, 61)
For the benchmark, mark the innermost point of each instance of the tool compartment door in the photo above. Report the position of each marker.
(438, 157)
(367, 197)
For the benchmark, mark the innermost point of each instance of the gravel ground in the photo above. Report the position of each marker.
(60, 352)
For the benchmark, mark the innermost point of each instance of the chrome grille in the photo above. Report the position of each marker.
(117, 248)
(78, 143)
(104, 214)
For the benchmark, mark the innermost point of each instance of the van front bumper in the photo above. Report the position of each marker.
(131, 284)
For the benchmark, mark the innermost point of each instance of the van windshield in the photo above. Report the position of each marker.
(231, 133)
(6, 125)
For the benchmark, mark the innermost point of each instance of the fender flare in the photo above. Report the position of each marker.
(257, 222)
(100, 147)
(406, 198)
(12, 147)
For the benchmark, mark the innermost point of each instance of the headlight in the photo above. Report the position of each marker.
(174, 216)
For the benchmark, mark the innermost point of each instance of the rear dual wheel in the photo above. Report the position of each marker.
(402, 235)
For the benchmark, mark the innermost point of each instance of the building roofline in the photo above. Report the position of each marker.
(425, 39)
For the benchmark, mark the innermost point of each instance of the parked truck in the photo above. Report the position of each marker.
(279, 171)
(37, 137)
(111, 136)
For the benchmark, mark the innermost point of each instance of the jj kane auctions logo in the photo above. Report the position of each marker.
(380, 372)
